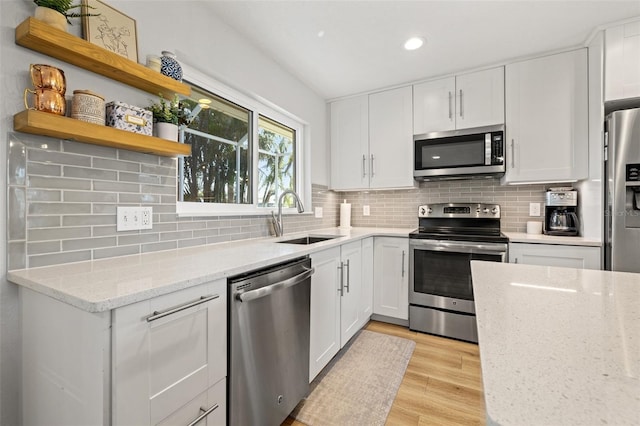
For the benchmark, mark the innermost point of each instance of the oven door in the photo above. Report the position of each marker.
(440, 272)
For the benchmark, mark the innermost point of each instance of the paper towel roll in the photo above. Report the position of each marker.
(345, 215)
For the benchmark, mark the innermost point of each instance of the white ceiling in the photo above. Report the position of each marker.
(361, 49)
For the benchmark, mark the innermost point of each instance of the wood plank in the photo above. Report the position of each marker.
(442, 384)
(47, 124)
(36, 35)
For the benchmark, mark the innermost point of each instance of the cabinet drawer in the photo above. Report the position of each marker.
(166, 351)
(212, 400)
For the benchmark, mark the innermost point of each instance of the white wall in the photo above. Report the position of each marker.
(199, 38)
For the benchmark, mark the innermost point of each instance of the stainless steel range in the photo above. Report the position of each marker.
(450, 236)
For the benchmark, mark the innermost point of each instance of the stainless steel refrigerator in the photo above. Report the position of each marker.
(622, 191)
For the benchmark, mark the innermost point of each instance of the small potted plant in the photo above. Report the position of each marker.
(57, 12)
(167, 116)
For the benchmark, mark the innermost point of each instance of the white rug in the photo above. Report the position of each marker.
(359, 385)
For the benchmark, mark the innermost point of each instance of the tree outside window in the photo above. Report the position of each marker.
(276, 162)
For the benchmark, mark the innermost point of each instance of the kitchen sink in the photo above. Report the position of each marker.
(307, 240)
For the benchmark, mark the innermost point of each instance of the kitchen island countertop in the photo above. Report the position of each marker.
(558, 346)
(101, 285)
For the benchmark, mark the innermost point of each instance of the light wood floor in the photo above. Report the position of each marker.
(442, 384)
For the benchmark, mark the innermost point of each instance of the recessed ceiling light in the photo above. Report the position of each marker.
(321, 33)
(413, 43)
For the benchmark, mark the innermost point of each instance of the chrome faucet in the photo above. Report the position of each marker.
(277, 221)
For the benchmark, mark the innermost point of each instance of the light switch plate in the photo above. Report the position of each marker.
(534, 209)
(366, 211)
(318, 211)
(134, 218)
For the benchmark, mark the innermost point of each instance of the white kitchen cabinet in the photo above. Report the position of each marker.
(584, 257)
(350, 302)
(372, 141)
(391, 277)
(340, 299)
(115, 367)
(366, 299)
(350, 143)
(167, 351)
(547, 119)
(324, 321)
(460, 102)
(622, 62)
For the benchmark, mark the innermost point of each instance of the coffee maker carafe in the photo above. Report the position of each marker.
(561, 212)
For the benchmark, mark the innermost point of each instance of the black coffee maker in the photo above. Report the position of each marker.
(561, 212)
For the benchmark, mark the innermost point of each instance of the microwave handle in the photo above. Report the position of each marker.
(513, 154)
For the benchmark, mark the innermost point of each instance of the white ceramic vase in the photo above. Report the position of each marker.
(166, 131)
(51, 17)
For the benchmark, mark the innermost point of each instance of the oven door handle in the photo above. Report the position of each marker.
(461, 247)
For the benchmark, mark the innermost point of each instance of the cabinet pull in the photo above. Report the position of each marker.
(513, 154)
(402, 263)
(450, 105)
(373, 172)
(341, 269)
(203, 415)
(160, 314)
(461, 105)
(348, 273)
(364, 165)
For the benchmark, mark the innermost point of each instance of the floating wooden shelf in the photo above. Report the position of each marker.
(36, 35)
(47, 124)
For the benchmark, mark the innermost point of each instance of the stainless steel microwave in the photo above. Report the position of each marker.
(459, 154)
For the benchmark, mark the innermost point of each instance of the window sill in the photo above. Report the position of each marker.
(207, 210)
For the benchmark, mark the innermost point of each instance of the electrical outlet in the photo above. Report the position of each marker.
(318, 211)
(366, 211)
(534, 209)
(134, 218)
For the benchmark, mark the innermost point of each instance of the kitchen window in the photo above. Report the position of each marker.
(245, 153)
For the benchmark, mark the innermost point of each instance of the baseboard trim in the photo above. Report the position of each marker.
(390, 320)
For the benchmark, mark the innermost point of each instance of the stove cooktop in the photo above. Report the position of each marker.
(459, 222)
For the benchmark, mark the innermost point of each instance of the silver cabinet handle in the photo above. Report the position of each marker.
(348, 273)
(403, 263)
(203, 415)
(161, 314)
(513, 154)
(341, 269)
(373, 172)
(245, 296)
(364, 165)
(461, 105)
(450, 105)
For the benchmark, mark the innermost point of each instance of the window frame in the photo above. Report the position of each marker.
(258, 106)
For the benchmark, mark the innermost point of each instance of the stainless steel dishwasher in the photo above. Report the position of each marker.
(268, 343)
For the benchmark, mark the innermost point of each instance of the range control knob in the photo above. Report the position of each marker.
(485, 210)
(430, 210)
(494, 210)
(422, 211)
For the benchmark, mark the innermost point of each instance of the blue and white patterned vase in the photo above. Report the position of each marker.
(170, 66)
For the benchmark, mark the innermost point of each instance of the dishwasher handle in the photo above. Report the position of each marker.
(246, 296)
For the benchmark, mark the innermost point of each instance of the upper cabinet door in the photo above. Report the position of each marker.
(434, 106)
(391, 139)
(350, 143)
(547, 119)
(622, 62)
(480, 98)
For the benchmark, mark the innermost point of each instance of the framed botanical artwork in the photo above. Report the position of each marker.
(111, 29)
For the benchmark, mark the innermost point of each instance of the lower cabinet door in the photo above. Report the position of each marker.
(391, 277)
(207, 409)
(324, 322)
(167, 351)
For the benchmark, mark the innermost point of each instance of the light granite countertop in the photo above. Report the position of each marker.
(558, 346)
(101, 285)
(522, 237)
